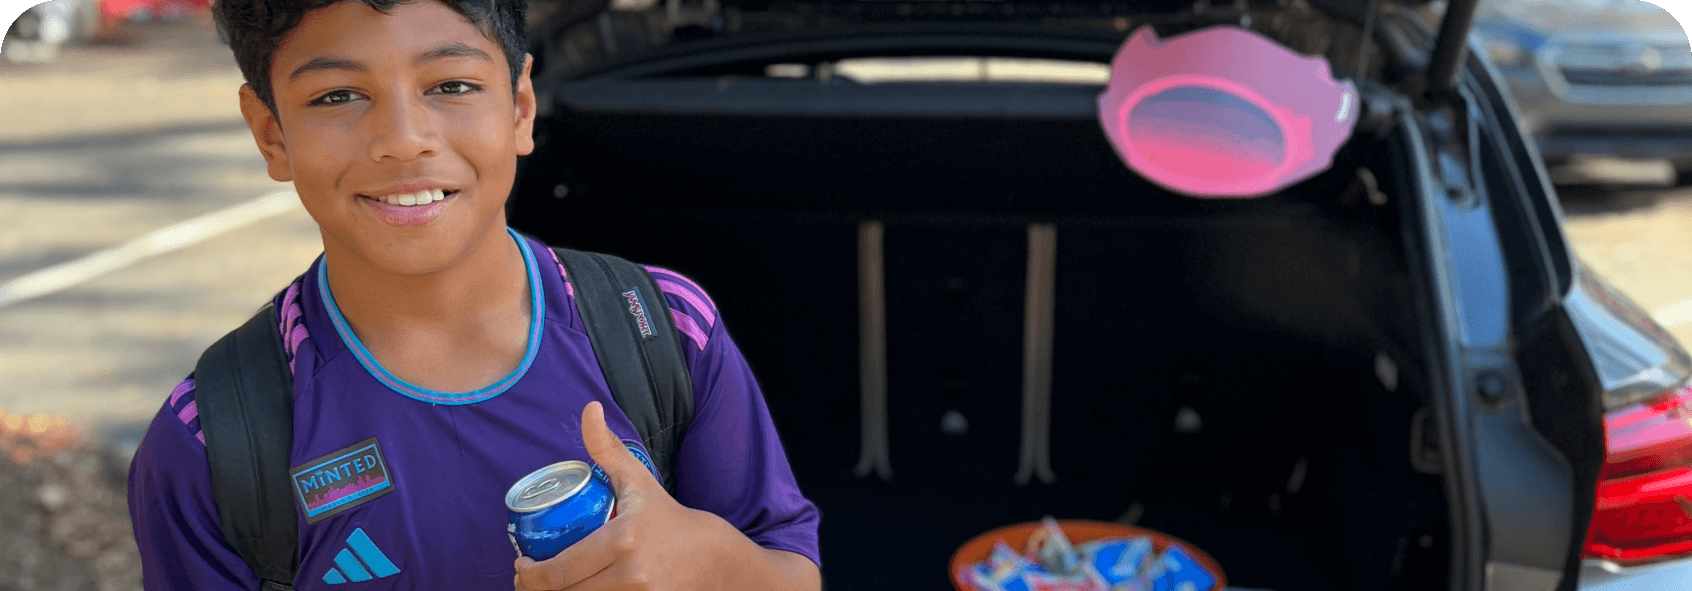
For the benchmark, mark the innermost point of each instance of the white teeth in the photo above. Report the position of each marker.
(423, 197)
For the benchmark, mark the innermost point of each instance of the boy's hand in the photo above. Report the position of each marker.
(656, 543)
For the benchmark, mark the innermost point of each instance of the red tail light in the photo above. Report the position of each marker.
(1644, 509)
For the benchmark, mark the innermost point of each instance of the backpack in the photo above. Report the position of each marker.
(244, 389)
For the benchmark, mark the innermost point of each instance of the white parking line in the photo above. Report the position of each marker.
(1674, 314)
(63, 275)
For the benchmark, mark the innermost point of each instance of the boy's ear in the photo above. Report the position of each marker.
(525, 100)
(267, 131)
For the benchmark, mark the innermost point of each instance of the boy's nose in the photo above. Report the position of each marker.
(403, 129)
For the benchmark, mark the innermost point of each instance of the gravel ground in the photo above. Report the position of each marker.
(172, 74)
(62, 501)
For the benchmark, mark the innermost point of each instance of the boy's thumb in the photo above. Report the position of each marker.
(630, 480)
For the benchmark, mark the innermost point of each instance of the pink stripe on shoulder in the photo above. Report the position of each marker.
(191, 410)
(290, 305)
(181, 390)
(688, 296)
(294, 339)
(687, 326)
(683, 279)
(569, 290)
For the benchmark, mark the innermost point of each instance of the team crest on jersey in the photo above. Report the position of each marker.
(344, 479)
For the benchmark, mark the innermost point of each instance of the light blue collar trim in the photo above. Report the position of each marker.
(538, 312)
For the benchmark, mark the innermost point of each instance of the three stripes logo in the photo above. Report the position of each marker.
(359, 561)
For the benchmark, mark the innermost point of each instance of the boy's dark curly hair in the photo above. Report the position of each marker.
(255, 27)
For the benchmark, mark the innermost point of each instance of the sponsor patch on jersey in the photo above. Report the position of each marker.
(344, 479)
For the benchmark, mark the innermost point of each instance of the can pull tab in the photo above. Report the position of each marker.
(539, 488)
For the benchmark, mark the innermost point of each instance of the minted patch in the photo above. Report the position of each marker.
(637, 307)
(342, 480)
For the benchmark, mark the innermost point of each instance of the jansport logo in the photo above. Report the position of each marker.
(344, 479)
(360, 561)
(637, 307)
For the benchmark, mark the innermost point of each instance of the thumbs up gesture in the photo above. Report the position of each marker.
(654, 543)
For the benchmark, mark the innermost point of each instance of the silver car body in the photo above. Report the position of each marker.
(1594, 77)
(1598, 575)
(38, 34)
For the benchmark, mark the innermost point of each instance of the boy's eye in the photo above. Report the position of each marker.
(457, 87)
(337, 97)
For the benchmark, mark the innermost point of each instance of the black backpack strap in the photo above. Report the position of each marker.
(245, 393)
(639, 350)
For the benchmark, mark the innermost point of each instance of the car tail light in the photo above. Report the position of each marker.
(1644, 508)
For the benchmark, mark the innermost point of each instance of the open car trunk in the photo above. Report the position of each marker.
(1246, 375)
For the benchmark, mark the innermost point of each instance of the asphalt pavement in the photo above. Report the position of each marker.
(97, 151)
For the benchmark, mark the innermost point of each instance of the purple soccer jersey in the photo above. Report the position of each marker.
(400, 487)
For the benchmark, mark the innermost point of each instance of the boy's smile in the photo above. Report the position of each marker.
(407, 206)
(400, 132)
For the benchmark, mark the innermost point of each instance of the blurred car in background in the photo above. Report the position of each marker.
(39, 32)
(1595, 77)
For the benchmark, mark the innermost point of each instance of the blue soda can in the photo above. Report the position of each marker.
(556, 506)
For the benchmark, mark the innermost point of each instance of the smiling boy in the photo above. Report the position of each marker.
(446, 349)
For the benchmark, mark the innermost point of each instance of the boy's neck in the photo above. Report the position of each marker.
(490, 282)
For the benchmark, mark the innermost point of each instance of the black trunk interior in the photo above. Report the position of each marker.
(1264, 318)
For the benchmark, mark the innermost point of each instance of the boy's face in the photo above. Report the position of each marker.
(413, 104)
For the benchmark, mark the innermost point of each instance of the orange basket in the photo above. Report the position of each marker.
(1078, 531)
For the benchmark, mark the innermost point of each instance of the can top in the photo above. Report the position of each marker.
(548, 486)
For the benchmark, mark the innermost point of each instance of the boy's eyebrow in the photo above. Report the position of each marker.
(327, 63)
(453, 50)
(450, 50)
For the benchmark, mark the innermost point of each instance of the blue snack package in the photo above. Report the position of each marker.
(1177, 571)
(1086, 579)
(1004, 570)
(1118, 560)
(1014, 580)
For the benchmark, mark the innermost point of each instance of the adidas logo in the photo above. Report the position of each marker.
(359, 561)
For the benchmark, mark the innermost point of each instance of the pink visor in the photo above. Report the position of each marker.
(1224, 112)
